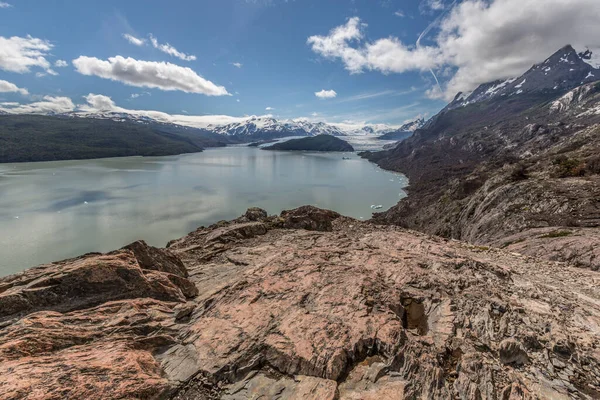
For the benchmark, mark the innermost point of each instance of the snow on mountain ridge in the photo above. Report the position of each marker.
(560, 72)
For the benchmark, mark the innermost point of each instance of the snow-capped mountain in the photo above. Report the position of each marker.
(412, 126)
(244, 129)
(268, 128)
(380, 129)
(561, 72)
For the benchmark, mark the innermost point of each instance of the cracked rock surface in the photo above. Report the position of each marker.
(306, 305)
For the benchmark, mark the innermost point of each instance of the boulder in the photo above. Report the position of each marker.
(309, 218)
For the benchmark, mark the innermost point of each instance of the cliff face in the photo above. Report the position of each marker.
(306, 305)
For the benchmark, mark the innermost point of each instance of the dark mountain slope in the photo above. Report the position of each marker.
(43, 138)
(314, 143)
(506, 164)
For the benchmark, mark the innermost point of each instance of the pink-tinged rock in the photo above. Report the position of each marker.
(356, 312)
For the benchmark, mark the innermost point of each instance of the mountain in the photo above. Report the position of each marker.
(517, 166)
(313, 143)
(260, 128)
(562, 71)
(25, 138)
(412, 126)
(405, 131)
(265, 128)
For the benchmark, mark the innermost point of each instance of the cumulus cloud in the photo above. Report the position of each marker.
(170, 50)
(49, 105)
(100, 103)
(505, 38)
(326, 94)
(386, 55)
(8, 87)
(269, 109)
(151, 74)
(20, 54)
(237, 64)
(5, 5)
(134, 40)
(61, 63)
(480, 40)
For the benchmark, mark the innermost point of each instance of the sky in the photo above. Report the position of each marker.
(218, 61)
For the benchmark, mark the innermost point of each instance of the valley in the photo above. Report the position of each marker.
(264, 274)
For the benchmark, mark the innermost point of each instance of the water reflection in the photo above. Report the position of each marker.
(50, 211)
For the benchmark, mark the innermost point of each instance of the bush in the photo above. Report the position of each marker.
(569, 167)
(519, 173)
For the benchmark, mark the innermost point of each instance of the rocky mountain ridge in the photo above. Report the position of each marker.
(518, 171)
(304, 305)
(564, 70)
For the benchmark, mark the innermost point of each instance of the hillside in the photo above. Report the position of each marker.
(396, 135)
(305, 305)
(25, 138)
(315, 143)
(517, 167)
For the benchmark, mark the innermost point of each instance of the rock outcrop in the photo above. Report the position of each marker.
(305, 305)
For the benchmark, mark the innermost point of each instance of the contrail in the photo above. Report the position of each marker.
(426, 31)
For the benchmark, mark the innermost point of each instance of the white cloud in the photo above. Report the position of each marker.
(8, 87)
(151, 74)
(399, 13)
(269, 109)
(503, 39)
(170, 50)
(326, 94)
(61, 64)
(481, 40)
(237, 64)
(385, 55)
(133, 40)
(432, 5)
(337, 45)
(98, 102)
(136, 95)
(5, 5)
(49, 105)
(20, 54)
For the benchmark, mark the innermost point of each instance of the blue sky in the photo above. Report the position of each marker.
(246, 56)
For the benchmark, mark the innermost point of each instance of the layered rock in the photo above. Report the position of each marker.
(305, 305)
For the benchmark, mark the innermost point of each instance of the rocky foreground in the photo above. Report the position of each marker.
(306, 305)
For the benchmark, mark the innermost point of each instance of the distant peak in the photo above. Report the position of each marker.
(567, 48)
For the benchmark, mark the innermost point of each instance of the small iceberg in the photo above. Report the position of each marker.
(374, 207)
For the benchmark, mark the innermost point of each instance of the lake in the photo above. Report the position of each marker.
(55, 210)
